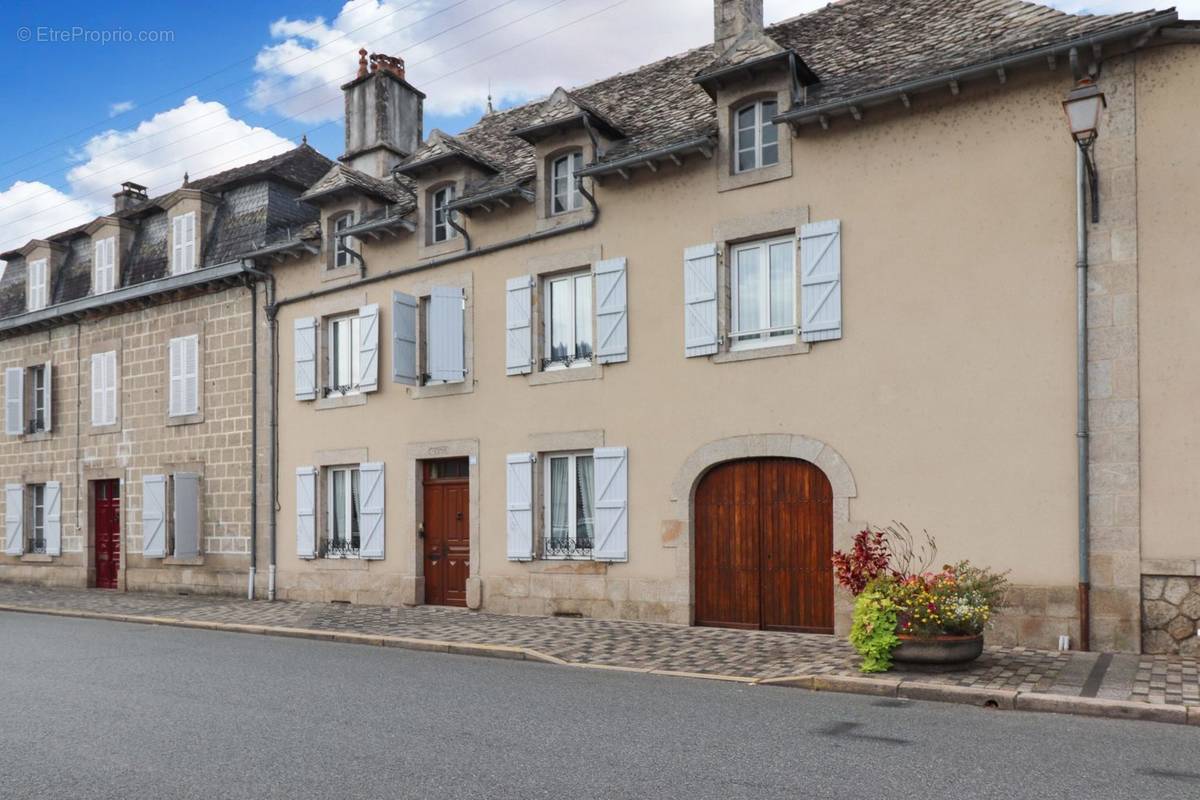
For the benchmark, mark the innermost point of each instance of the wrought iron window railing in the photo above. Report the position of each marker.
(340, 548)
(37, 546)
(565, 547)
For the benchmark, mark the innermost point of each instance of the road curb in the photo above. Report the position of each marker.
(1005, 699)
(877, 687)
(1098, 707)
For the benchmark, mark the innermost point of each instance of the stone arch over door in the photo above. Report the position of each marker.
(795, 446)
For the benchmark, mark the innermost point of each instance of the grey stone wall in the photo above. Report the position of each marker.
(1171, 614)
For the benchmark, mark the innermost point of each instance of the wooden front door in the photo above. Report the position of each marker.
(447, 532)
(107, 515)
(764, 539)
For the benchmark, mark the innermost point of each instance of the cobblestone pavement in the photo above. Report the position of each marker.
(651, 646)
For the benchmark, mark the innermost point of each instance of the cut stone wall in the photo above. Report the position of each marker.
(1171, 614)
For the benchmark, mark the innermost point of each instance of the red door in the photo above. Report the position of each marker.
(108, 533)
(447, 532)
(764, 540)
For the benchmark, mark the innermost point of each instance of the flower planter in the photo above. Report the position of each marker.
(938, 649)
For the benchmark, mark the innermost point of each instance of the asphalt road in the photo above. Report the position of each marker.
(98, 710)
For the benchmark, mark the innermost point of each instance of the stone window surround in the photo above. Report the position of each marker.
(170, 469)
(85, 363)
(727, 105)
(426, 247)
(338, 305)
(38, 355)
(90, 474)
(679, 529)
(542, 267)
(412, 549)
(28, 478)
(543, 445)
(421, 290)
(195, 329)
(545, 157)
(728, 233)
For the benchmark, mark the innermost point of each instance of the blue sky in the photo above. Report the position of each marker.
(229, 81)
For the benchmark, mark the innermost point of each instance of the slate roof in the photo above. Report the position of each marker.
(441, 145)
(341, 178)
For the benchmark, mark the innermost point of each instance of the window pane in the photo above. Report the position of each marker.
(337, 532)
(576, 196)
(783, 293)
(749, 289)
(745, 160)
(745, 118)
(559, 498)
(770, 155)
(583, 316)
(560, 319)
(355, 499)
(585, 505)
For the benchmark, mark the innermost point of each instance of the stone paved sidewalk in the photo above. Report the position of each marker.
(745, 655)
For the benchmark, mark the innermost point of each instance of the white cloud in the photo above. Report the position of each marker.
(116, 109)
(31, 209)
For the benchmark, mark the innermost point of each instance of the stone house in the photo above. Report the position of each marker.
(653, 347)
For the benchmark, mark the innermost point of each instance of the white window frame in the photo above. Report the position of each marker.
(352, 512)
(761, 123)
(36, 530)
(341, 249)
(39, 400)
(769, 336)
(440, 229)
(572, 551)
(103, 391)
(572, 359)
(39, 294)
(104, 265)
(564, 189)
(178, 373)
(352, 323)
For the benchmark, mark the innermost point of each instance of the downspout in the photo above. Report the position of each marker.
(1081, 381)
(253, 286)
(450, 215)
(273, 457)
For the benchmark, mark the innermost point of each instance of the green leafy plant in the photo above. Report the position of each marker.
(873, 632)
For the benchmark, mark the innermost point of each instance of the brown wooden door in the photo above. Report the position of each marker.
(764, 539)
(447, 530)
(107, 515)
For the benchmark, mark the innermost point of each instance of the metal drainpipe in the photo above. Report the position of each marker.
(1081, 377)
(253, 286)
(273, 324)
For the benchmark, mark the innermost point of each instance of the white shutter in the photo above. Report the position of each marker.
(176, 245)
(154, 516)
(404, 338)
(519, 348)
(612, 504)
(520, 506)
(821, 281)
(14, 512)
(111, 387)
(700, 300)
(52, 527)
(48, 380)
(175, 378)
(97, 387)
(371, 510)
(445, 334)
(38, 290)
(183, 243)
(306, 512)
(105, 266)
(368, 348)
(184, 376)
(14, 401)
(189, 236)
(305, 341)
(186, 510)
(612, 317)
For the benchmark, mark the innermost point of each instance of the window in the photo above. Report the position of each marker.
(342, 531)
(756, 138)
(184, 376)
(341, 246)
(344, 362)
(39, 399)
(104, 388)
(36, 542)
(564, 190)
(441, 230)
(570, 505)
(763, 308)
(104, 266)
(183, 243)
(38, 285)
(568, 305)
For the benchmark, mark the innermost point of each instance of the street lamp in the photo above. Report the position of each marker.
(1082, 107)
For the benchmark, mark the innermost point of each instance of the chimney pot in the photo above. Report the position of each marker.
(130, 195)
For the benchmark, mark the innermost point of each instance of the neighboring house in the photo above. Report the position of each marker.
(653, 347)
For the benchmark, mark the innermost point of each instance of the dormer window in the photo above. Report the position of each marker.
(564, 189)
(104, 266)
(183, 243)
(341, 245)
(441, 230)
(756, 140)
(39, 285)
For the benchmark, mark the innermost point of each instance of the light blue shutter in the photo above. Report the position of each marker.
(445, 333)
(700, 300)
(612, 317)
(518, 350)
(306, 512)
(371, 510)
(305, 355)
(611, 470)
(186, 507)
(49, 380)
(14, 401)
(520, 506)
(821, 281)
(14, 513)
(404, 338)
(368, 348)
(154, 516)
(52, 527)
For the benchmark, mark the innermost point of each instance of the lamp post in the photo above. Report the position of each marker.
(1082, 107)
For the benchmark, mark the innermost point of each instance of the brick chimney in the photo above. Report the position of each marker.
(383, 115)
(130, 195)
(731, 18)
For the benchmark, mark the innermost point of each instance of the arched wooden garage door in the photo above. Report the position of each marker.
(764, 538)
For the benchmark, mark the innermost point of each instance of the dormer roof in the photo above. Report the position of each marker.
(442, 148)
(562, 111)
(341, 179)
(752, 53)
